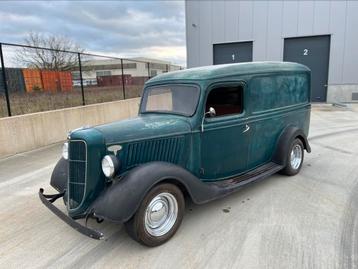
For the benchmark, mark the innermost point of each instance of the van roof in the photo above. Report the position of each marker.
(224, 70)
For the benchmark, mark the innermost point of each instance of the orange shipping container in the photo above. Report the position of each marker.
(32, 79)
(50, 81)
(65, 81)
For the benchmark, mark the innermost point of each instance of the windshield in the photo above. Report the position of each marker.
(175, 99)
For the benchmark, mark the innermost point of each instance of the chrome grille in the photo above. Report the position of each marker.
(77, 151)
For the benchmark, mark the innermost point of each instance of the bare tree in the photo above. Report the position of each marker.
(53, 58)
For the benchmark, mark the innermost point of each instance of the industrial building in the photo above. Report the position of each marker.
(320, 34)
(137, 69)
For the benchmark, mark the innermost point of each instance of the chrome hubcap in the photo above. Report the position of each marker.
(296, 156)
(161, 214)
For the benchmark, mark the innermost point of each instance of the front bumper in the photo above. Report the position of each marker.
(48, 199)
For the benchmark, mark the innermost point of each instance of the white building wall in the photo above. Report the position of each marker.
(141, 69)
(267, 23)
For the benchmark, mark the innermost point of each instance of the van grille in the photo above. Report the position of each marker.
(77, 172)
(167, 150)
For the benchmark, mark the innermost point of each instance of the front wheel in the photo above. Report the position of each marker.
(294, 158)
(158, 217)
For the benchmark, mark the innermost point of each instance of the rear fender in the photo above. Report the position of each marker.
(284, 142)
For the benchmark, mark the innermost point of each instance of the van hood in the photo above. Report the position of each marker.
(143, 127)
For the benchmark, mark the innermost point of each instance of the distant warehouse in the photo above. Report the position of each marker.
(109, 71)
(319, 34)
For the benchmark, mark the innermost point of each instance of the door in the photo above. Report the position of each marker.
(233, 52)
(224, 139)
(314, 53)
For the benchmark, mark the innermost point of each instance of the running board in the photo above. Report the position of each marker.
(225, 187)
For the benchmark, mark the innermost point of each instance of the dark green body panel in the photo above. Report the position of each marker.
(148, 126)
(266, 129)
(223, 149)
(149, 137)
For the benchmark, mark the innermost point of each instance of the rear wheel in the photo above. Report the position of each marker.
(294, 158)
(158, 217)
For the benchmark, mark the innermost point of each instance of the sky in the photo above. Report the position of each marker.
(154, 29)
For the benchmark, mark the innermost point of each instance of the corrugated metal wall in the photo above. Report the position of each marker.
(267, 23)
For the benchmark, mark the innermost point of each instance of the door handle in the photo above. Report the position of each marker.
(247, 127)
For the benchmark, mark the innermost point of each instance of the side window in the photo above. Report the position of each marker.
(226, 100)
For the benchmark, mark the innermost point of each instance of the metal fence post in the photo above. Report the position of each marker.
(5, 82)
(167, 68)
(148, 66)
(123, 84)
(82, 90)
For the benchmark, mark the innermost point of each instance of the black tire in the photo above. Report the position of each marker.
(136, 227)
(289, 170)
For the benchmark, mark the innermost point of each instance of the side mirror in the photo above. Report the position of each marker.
(211, 113)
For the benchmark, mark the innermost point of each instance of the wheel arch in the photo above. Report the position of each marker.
(119, 202)
(175, 181)
(304, 141)
(287, 136)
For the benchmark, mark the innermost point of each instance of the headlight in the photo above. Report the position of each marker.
(65, 151)
(109, 165)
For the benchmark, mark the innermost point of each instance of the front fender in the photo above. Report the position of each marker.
(59, 175)
(120, 201)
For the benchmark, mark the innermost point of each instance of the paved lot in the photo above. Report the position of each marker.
(306, 221)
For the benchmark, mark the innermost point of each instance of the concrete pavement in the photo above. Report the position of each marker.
(306, 221)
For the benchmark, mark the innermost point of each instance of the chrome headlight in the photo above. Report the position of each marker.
(65, 151)
(110, 165)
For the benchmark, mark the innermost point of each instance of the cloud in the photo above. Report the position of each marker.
(153, 29)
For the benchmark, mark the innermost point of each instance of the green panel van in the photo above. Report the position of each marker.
(200, 134)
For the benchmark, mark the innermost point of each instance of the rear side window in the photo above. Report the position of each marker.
(271, 92)
(226, 100)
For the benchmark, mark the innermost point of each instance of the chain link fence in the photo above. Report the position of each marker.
(34, 79)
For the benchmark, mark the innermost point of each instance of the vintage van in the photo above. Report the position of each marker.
(200, 134)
